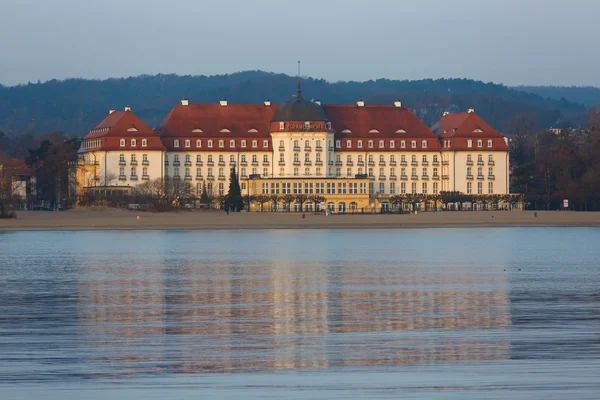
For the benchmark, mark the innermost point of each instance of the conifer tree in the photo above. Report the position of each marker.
(234, 197)
(204, 199)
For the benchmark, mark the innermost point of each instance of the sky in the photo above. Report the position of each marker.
(514, 42)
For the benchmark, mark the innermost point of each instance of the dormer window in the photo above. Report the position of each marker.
(281, 126)
(188, 143)
(403, 144)
(144, 142)
(176, 143)
(243, 143)
(381, 144)
(265, 143)
(392, 144)
(133, 142)
(198, 143)
(489, 144)
(359, 144)
(338, 144)
(424, 144)
(210, 143)
(254, 143)
(232, 143)
(469, 143)
(221, 144)
(480, 143)
(370, 144)
(413, 144)
(122, 142)
(349, 144)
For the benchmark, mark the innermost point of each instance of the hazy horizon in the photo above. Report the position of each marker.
(511, 42)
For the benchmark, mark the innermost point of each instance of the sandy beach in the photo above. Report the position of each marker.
(83, 219)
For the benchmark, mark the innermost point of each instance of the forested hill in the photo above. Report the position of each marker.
(76, 105)
(590, 96)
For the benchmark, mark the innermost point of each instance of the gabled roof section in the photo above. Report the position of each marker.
(121, 124)
(467, 128)
(214, 120)
(376, 121)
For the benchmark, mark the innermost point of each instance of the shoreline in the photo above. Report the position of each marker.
(115, 219)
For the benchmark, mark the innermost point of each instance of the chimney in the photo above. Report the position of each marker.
(318, 102)
(112, 110)
(360, 103)
(185, 102)
(445, 113)
(398, 103)
(223, 103)
(471, 110)
(127, 108)
(268, 103)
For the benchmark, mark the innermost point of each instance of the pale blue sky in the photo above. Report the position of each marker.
(549, 42)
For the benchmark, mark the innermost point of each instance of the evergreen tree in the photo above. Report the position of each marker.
(204, 199)
(234, 197)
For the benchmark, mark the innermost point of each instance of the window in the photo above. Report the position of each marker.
(469, 171)
(359, 144)
(392, 158)
(414, 188)
(370, 158)
(480, 143)
(349, 172)
(424, 171)
(198, 171)
(469, 188)
(187, 158)
(435, 158)
(370, 172)
(381, 144)
(490, 187)
(210, 158)
(469, 158)
(176, 143)
(221, 189)
(122, 158)
(265, 143)
(480, 158)
(435, 188)
(145, 157)
(221, 144)
(353, 188)
(489, 143)
(402, 171)
(232, 143)
(424, 158)
(198, 143)
(403, 158)
(363, 188)
(122, 142)
(265, 172)
(145, 143)
(403, 188)
(349, 144)
(370, 144)
(296, 173)
(176, 171)
(133, 158)
(413, 144)
(381, 159)
(133, 142)
(392, 171)
(479, 188)
(221, 158)
(187, 172)
(435, 172)
(231, 158)
(392, 188)
(381, 188)
(414, 172)
(330, 188)
(210, 143)
(306, 157)
(281, 126)
(320, 188)
(490, 158)
(296, 157)
(318, 171)
(403, 144)
(414, 159)
(469, 143)
(221, 173)
(255, 143)
(243, 143)
(265, 158)
(308, 188)
(188, 143)
(198, 159)
(338, 144)
(338, 172)
(318, 157)
(341, 187)
(381, 173)
(360, 158)
(121, 171)
(265, 188)
(424, 144)
(392, 144)
(490, 171)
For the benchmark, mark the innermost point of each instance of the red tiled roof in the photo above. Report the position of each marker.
(123, 125)
(16, 167)
(464, 126)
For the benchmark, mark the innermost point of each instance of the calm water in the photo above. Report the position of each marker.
(414, 313)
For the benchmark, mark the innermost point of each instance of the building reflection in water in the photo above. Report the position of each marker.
(209, 311)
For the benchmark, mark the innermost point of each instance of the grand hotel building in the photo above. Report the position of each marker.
(355, 155)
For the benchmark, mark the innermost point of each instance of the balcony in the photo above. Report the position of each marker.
(244, 163)
(435, 177)
(492, 177)
(360, 163)
(318, 148)
(445, 162)
(435, 163)
(232, 163)
(392, 163)
(255, 163)
(221, 177)
(210, 163)
(221, 163)
(177, 177)
(281, 163)
(330, 162)
(145, 162)
(199, 177)
(425, 177)
(122, 178)
(133, 178)
(244, 176)
(297, 163)
(382, 163)
(133, 162)
(307, 163)
(296, 148)
(372, 177)
(188, 163)
(403, 163)
(425, 163)
(318, 163)
(414, 163)
(281, 148)
(308, 149)
(382, 177)
(210, 178)
(393, 178)
(338, 163)
(490, 162)
(123, 162)
(330, 148)
(469, 162)
(470, 177)
(414, 177)
(349, 163)
(188, 178)
(480, 177)
(145, 177)
(176, 163)
(266, 163)
(480, 162)
(371, 163)
(445, 177)
(403, 177)
(199, 164)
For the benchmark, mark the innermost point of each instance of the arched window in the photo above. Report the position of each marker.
(381, 144)
(221, 143)
(176, 143)
(359, 144)
(188, 143)
(349, 159)
(133, 142)
(424, 158)
(392, 144)
(122, 142)
(255, 143)
(210, 143)
(349, 144)
(281, 126)
(198, 143)
(370, 144)
(243, 143)
(296, 144)
(489, 143)
(403, 144)
(424, 144)
(145, 143)
(338, 144)
(232, 143)
(413, 144)
(480, 143)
